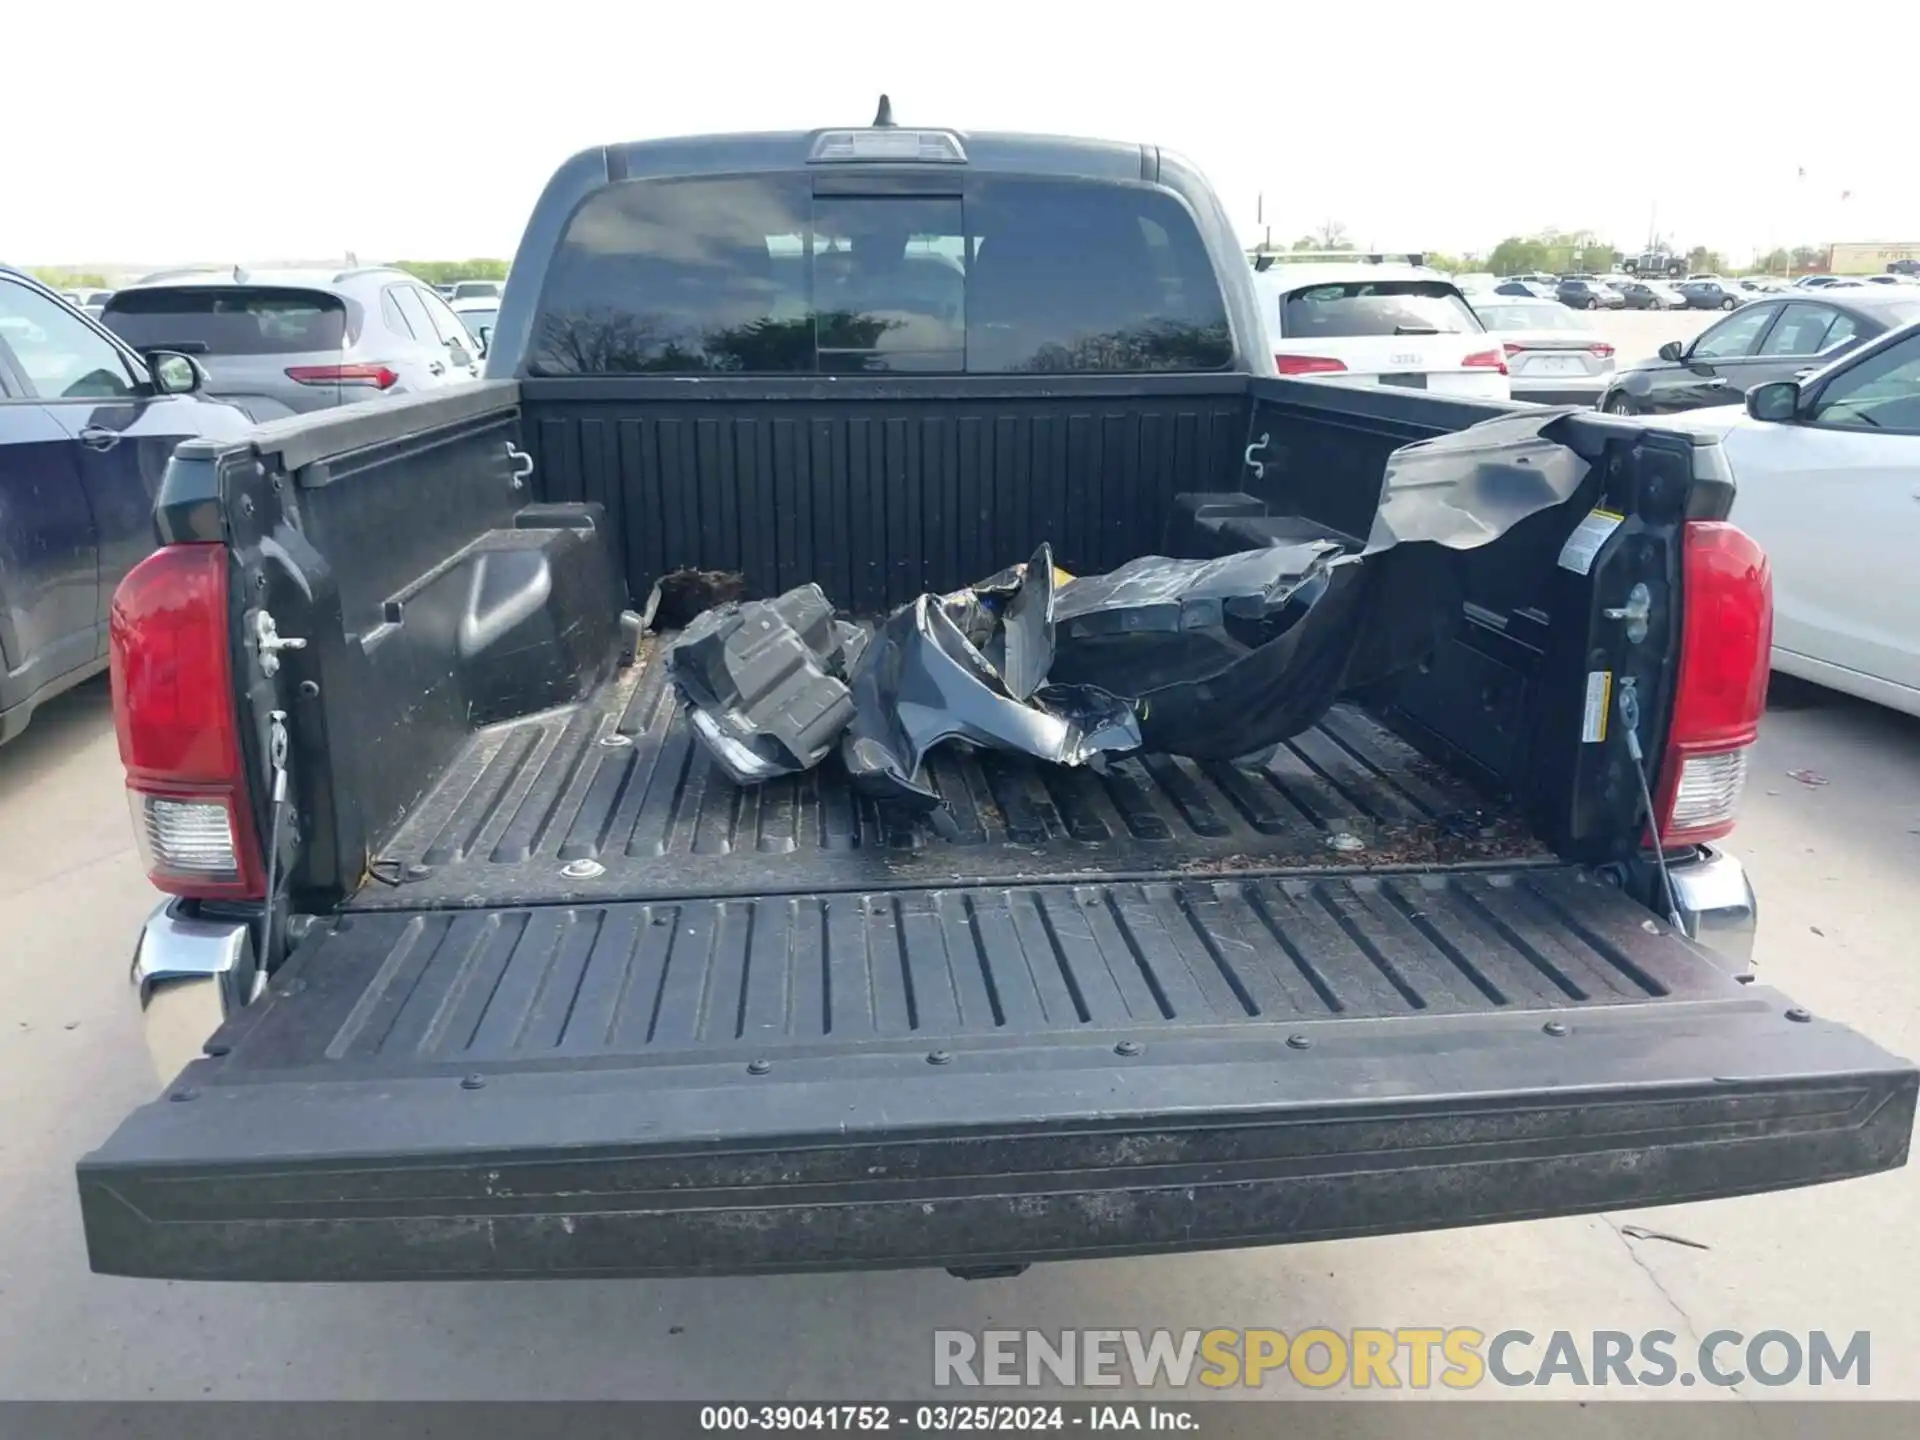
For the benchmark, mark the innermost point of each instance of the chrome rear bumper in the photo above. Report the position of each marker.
(1717, 905)
(190, 974)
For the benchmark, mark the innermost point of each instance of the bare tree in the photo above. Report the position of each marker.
(1332, 235)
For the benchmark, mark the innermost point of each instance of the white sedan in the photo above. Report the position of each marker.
(1554, 355)
(1828, 477)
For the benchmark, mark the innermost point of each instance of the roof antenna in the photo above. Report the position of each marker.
(883, 117)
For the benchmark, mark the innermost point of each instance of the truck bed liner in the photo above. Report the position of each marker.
(679, 979)
(614, 799)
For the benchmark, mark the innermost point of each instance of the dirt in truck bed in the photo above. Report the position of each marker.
(615, 799)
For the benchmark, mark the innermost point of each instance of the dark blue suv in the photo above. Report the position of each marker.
(86, 429)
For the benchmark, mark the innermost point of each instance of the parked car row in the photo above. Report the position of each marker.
(1696, 292)
(1780, 337)
(1407, 326)
(473, 290)
(285, 342)
(91, 301)
(1589, 293)
(1580, 292)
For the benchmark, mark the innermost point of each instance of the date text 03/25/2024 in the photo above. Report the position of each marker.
(942, 1419)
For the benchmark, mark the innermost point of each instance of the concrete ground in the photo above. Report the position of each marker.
(1834, 863)
(1637, 334)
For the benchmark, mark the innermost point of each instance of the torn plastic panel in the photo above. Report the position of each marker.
(924, 679)
(766, 681)
(1209, 658)
(1464, 489)
(1228, 674)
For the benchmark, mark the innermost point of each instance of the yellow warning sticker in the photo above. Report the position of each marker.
(1588, 536)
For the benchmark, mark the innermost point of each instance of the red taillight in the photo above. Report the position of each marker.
(1726, 650)
(1512, 348)
(381, 377)
(1600, 348)
(174, 714)
(1486, 360)
(1308, 364)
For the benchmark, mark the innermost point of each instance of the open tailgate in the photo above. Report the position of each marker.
(980, 1076)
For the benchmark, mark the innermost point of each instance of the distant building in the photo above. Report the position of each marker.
(1871, 257)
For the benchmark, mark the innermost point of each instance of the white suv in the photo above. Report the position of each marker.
(1386, 324)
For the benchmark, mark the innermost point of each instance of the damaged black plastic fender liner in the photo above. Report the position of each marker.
(923, 680)
(1219, 657)
(765, 681)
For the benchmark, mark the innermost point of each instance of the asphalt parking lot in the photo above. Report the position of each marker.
(1833, 853)
(1637, 334)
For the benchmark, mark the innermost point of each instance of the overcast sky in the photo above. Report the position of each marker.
(151, 133)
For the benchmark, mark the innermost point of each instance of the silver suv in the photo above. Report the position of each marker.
(283, 342)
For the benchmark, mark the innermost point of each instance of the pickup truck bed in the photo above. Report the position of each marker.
(785, 1029)
(613, 798)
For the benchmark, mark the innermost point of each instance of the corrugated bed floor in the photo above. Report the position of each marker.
(614, 799)
(559, 984)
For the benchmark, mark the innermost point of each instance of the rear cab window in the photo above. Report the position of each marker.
(1376, 307)
(756, 275)
(228, 320)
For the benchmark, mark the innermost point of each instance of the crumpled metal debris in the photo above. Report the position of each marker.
(766, 681)
(974, 666)
(927, 683)
(1197, 657)
(1209, 658)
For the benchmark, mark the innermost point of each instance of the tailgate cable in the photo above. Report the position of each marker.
(1628, 703)
(277, 760)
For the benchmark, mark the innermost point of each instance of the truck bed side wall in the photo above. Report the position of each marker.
(434, 594)
(881, 490)
(1503, 697)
